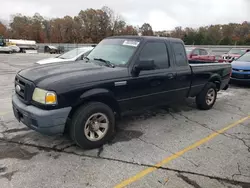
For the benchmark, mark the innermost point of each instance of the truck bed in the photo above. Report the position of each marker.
(201, 73)
(200, 62)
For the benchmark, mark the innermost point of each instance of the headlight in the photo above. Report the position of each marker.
(44, 97)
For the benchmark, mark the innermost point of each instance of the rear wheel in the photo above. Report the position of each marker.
(92, 125)
(207, 97)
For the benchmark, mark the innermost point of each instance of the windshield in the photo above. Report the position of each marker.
(237, 51)
(73, 53)
(116, 51)
(189, 50)
(245, 57)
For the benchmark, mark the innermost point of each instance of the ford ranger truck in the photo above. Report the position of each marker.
(120, 74)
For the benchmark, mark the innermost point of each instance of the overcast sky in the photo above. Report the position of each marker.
(161, 14)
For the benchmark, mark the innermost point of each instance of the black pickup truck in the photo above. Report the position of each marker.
(121, 74)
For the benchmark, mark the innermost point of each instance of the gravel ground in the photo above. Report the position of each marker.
(176, 136)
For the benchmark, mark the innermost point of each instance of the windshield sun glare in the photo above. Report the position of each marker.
(116, 51)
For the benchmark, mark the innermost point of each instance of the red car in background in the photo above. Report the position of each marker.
(200, 54)
(234, 54)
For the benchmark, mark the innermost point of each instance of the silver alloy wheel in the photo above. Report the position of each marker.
(210, 96)
(96, 127)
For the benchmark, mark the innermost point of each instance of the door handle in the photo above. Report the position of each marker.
(170, 76)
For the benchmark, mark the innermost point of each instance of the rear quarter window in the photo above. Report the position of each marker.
(180, 55)
(203, 52)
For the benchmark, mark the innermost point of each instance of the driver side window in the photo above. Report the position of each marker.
(156, 51)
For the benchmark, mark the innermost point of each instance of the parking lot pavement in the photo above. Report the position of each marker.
(174, 146)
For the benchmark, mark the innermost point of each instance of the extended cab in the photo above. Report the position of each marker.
(121, 74)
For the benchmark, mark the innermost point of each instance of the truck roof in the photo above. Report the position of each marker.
(146, 38)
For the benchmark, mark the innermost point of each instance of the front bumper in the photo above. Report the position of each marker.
(240, 77)
(240, 80)
(49, 122)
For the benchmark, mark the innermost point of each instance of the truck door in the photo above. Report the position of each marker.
(153, 87)
(184, 74)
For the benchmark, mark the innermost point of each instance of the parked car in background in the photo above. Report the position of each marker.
(17, 45)
(233, 54)
(15, 49)
(53, 49)
(6, 49)
(200, 54)
(72, 55)
(241, 69)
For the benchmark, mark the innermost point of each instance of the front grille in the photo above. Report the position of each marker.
(240, 70)
(229, 58)
(24, 89)
(21, 84)
(241, 76)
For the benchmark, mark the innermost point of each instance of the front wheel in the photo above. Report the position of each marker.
(207, 97)
(92, 125)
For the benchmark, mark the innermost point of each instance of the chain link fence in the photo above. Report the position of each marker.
(215, 50)
(65, 46)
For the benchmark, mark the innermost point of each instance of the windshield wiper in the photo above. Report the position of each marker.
(107, 63)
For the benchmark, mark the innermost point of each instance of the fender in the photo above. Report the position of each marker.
(96, 92)
(216, 78)
(101, 95)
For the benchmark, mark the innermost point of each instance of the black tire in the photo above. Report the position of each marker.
(79, 119)
(201, 99)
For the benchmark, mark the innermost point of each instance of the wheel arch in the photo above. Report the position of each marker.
(216, 79)
(97, 95)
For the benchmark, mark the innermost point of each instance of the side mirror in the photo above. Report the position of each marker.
(144, 65)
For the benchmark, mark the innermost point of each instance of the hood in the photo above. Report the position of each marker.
(57, 75)
(244, 65)
(52, 60)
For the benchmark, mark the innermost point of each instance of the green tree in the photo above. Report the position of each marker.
(21, 27)
(3, 29)
(146, 30)
(92, 25)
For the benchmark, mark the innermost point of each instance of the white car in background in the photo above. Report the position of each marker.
(6, 49)
(14, 48)
(72, 55)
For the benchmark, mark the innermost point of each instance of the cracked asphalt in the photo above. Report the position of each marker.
(29, 159)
